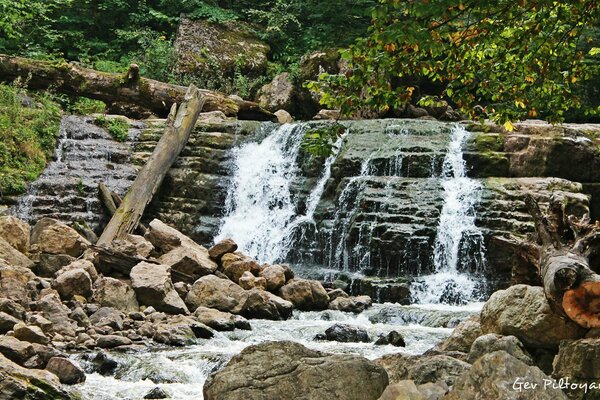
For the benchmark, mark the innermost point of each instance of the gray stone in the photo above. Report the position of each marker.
(221, 294)
(578, 361)
(524, 312)
(499, 375)
(112, 341)
(403, 390)
(16, 350)
(156, 393)
(218, 320)
(191, 261)
(107, 316)
(153, 287)
(266, 305)
(462, 336)
(52, 309)
(294, 369)
(493, 342)
(73, 282)
(392, 338)
(68, 371)
(346, 333)
(350, 304)
(7, 322)
(437, 368)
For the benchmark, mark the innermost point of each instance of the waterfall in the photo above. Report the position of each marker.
(261, 212)
(458, 248)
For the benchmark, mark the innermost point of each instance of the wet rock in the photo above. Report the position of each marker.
(112, 341)
(68, 372)
(213, 292)
(223, 247)
(283, 117)
(305, 294)
(181, 331)
(153, 287)
(191, 261)
(492, 342)
(29, 384)
(30, 333)
(41, 355)
(275, 277)
(15, 232)
(218, 320)
(495, 375)
(403, 390)
(107, 316)
(7, 322)
(15, 350)
(53, 237)
(346, 333)
(73, 282)
(266, 305)
(156, 393)
(524, 312)
(462, 336)
(249, 281)
(394, 338)
(350, 304)
(335, 293)
(14, 256)
(111, 292)
(293, 368)
(103, 364)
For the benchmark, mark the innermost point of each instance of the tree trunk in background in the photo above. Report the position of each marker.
(178, 128)
(565, 246)
(155, 96)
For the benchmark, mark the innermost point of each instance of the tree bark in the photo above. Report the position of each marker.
(177, 132)
(565, 245)
(130, 87)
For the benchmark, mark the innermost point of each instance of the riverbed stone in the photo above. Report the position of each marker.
(142, 246)
(14, 283)
(350, 304)
(579, 362)
(7, 322)
(153, 287)
(275, 277)
(13, 256)
(191, 261)
(51, 308)
(462, 336)
(16, 232)
(112, 341)
(221, 248)
(265, 305)
(393, 338)
(249, 281)
(73, 282)
(497, 375)
(437, 368)
(218, 320)
(346, 333)
(111, 292)
(403, 390)
(107, 316)
(305, 294)
(54, 237)
(524, 312)
(30, 333)
(493, 342)
(18, 351)
(213, 292)
(68, 371)
(294, 369)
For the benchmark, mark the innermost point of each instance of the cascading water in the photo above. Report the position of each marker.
(458, 248)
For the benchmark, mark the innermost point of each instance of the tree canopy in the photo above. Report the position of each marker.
(516, 59)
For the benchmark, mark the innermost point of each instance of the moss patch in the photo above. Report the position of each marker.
(117, 126)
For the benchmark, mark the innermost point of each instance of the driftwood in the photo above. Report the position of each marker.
(107, 199)
(130, 87)
(178, 128)
(562, 256)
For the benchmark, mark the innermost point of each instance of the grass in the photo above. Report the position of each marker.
(117, 127)
(29, 125)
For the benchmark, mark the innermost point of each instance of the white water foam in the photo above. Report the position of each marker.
(459, 242)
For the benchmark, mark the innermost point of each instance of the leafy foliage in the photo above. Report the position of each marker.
(517, 59)
(320, 142)
(28, 128)
(117, 126)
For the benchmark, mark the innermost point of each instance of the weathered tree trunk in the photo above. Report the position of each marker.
(107, 199)
(565, 244)
(129, 87)
(178, 127)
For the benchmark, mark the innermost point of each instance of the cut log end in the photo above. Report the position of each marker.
(582, 304)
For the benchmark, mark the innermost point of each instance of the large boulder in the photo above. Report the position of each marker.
(222, 49)
(295, 371)
(13, 283)
(153, 287)
(462, 336)
(578, 361)
(13, 256)
(54, 237)
(213, 292)
(30, 333)
(265, 305)
(249, 281)
(524, 312)
(18, 351)
(422, 368)
(15, 232)
(29, 384)
(493, 342)
(107, 316)
(68, 371)
(223, 247)
(73, 282)
(181, 331)
(218, 320)
(111, 292)
(305, 294)
(7, 322)
(52, 309)
(191, 261)
(499, 375)
(278, 94)
(275, 277)
(355, 305)
(346, 333)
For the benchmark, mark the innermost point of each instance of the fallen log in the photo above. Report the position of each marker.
(107, 199)
(178, 128)
(565, 246)
(130, 87)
